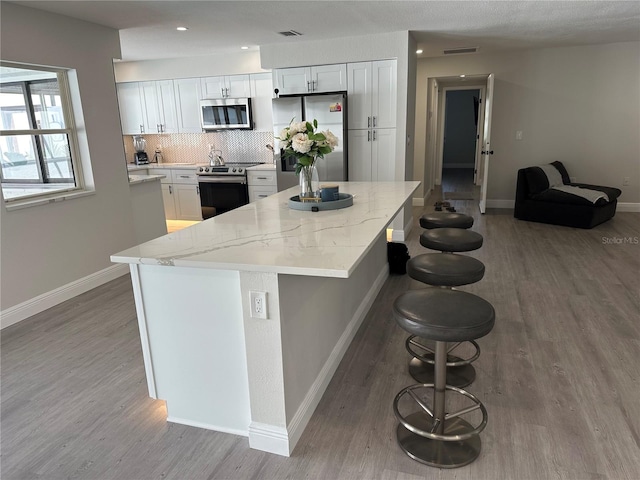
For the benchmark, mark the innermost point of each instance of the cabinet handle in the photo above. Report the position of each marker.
(226, 92)
(369, 136)
(263, 196)
(158, 128)
(170, 190)
(374, 122)
(221, 92)
(141, 128)
(262, 178)
(183, 176)
(313, 85)
(374, 135)
(368, 122)
(198, 189)
(308, 86)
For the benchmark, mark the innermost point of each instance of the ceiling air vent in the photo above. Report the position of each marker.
(454, 51)
(290, 33)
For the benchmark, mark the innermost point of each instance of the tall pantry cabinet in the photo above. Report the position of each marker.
(372, 90)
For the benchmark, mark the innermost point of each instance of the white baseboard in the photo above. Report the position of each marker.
(495, 203)
(207, 426)
(282, 441)
(28, 308)
(421, 202)
(401, 235)
(628, 207)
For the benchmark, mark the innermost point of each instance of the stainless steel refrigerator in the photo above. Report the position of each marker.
(330, 110)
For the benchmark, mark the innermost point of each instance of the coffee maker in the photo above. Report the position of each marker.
(140, 144)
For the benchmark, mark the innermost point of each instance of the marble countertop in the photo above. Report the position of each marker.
(268, 236)
(135, 179)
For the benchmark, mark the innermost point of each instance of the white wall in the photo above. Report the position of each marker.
(48, 246)
(579, 105)
(188, 67)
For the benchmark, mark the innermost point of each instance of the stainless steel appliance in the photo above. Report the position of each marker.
(223, 188)
(140, 157)
(330, 109)
(226, 114)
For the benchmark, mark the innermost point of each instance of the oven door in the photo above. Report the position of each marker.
(221, 194)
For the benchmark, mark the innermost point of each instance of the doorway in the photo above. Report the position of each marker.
(460, 143)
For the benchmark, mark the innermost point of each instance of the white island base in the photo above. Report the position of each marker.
(216, 366)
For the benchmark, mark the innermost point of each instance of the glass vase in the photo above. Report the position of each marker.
(309, 182)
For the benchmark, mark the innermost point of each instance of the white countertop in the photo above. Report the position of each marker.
(190, 166)
(268, 236)
(136, 179)
(262, 166)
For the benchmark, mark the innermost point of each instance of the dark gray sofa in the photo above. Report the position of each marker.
(537, 201)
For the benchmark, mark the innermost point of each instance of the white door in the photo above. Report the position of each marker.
(169, 204)
(486, 143)
(359, 155)
(130, 104)
(187, 199)
(238, 86)
(383, 154)
(384, 96)
(329, 78)
(261, 95)
(213, 87)
(167, 100)
(152, 114)
(359, 91)
(293, 80)
(187, 94)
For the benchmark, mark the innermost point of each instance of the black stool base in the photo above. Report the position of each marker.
(460, 377)
(439, 453)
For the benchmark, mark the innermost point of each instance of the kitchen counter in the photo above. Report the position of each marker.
(135, 179)
(187, 166)
(220, 364)
(263, 167)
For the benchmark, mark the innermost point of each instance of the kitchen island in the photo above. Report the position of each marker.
(219, 367)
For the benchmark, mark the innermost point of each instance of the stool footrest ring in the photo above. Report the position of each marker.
(429, 357)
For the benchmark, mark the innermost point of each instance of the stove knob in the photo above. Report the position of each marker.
(233, 169)
(206, 169)
(201, 169)
(239, 170)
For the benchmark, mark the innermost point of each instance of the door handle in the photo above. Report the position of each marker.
(141, 128)
(158, 128)
(374, 122)
(374, 135)
(170, 190)
(308, 86)
(313, 85)
(490, 152)
(368, 122)
(198, 189)
(369, 136)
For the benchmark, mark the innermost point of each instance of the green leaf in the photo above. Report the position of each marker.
(315, 123)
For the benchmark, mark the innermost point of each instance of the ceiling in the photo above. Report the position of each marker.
(148, 28)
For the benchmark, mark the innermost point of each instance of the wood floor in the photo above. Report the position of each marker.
(558, 375)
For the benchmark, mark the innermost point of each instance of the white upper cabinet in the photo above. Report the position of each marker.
(159, 103)
(188, 95)
(129, 102)
(228, 86)
(321, 78)
(372, 90)
(261, 95)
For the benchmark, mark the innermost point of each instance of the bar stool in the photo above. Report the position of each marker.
(447, 271)
(445, 220)
(451, 240)
(430, 434)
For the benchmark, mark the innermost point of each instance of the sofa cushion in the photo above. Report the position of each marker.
(552, 195)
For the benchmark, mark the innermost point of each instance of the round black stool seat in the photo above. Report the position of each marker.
(446, 220)
(445, 270)
(451, 240)
(444, 315)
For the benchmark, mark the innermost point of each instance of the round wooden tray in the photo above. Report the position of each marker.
(344, 200)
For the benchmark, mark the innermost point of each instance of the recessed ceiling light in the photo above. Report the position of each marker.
(462, 76)
(244, 48)
(418, 52)
(182, 29)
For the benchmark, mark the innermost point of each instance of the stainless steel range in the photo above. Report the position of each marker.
(223, 187)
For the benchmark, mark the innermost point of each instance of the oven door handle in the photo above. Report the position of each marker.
(222, 179)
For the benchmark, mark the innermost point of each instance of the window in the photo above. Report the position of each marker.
(38, 144)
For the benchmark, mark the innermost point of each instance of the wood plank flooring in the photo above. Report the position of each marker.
(558, 375)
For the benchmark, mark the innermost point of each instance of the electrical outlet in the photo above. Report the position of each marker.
(626, 181)
(258, 305)
(518, 134)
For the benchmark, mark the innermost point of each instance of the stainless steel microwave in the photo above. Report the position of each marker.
(226, 114)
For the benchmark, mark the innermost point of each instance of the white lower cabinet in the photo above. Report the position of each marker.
(372, 155)
(180, 194)
(262, 183)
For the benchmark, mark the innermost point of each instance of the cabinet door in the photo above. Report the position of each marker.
(168, 200)
(329, 78)
(167, 106)
(384, 98)
(188, 95)
(187, 198)
(359, 155)
(257, 192)
(130, 105)
(151, 107)
(238, 86)
(359, 91)
(261, 95)
(293, 80)
(213, 87)
(383, 155)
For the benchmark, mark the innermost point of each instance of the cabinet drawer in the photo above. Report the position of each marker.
(257, 193)
(185, 176)
(260, 178)
(161, 171)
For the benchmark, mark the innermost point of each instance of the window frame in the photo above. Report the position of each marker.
(77, 183)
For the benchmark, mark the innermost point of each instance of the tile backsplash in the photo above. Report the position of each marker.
(236, 146)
